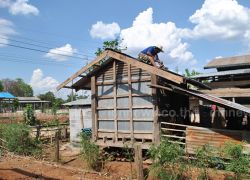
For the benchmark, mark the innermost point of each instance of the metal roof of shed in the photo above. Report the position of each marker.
(206, 97)
(31, 100)
(28, 99)
(6, 95)
(78, 102)
(236, 61)
(223, 73)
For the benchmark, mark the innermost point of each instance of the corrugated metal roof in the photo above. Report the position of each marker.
(223, 73)
(229, 62)
(6, 95)
(79, 102)
(213, 99)
(28, 99)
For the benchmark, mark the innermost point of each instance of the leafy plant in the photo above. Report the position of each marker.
(114, 44)
(89, 151)
(18, 140)
(204, 159)
(15, 104)
(239, 162)
(129, 155)
(167, 160)
(29, 115)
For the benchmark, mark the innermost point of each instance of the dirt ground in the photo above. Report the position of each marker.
(28, 168)
(71, 166)
(14, 167)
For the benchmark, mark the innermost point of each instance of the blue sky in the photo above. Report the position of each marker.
(192, 33)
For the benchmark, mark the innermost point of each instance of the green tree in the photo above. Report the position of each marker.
(56, 105)
(113, 44)
(1, 86)
(72, 97)
(54, 101)
(17, 87)
(48, 96)
(192, 73)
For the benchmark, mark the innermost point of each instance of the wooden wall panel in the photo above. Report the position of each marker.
(124, 103)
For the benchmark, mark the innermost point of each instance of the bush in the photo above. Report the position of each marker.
(89, 151)
(167, 160)
(239, 163)
(204, 159)
(18, 140)
(29, 115)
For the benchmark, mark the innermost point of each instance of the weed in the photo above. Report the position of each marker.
(29, 115)
(18, 140)
(167, 160)
(129, 155)
(89, 151)
(239, 162)
(204, 159)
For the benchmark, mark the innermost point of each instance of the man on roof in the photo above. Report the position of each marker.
(150, 56)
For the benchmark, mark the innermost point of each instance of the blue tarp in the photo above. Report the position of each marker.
(6, 95)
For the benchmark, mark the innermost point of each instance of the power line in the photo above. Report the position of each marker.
(50, 44)
(32, 62)
(39, 50)
(54, 34)
(46, 47)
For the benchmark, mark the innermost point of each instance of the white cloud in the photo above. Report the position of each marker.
(19, 7)
(6, 29)
(218, 57)
(104, 31)
(144, 32)
(41, 84)
(5, 3)
(223, 19)
(61, 53)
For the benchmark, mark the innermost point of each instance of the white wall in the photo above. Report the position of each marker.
(75, 121)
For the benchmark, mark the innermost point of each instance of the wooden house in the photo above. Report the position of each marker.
(231, 81)
(133, 102)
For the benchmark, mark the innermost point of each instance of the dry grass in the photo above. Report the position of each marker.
(42, 117)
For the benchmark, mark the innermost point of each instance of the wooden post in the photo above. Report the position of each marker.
(156, 111)
(130, 104)
(93, 108)
(115, 101)
(38, 131)
(57, 146)
(81, 119)
(138, 162)
(1, 138)
(66, 132)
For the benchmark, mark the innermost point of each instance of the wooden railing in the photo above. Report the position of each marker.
(175, 133)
